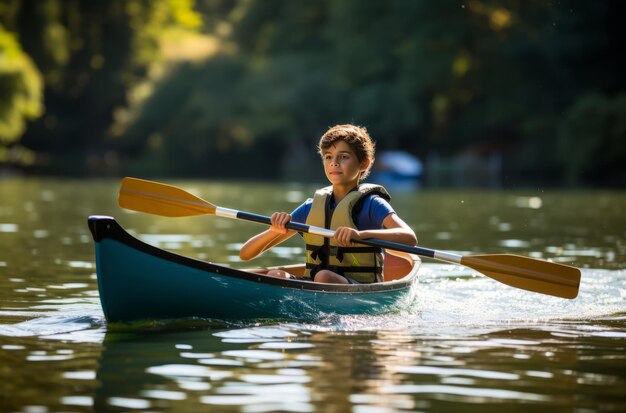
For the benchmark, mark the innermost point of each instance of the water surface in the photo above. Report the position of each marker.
(468, 343)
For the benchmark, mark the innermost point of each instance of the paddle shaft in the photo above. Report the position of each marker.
(328, 233)
(474, 262)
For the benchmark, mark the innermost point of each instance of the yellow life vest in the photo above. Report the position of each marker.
(361, 263)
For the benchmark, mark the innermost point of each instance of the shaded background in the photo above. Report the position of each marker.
(485, 93)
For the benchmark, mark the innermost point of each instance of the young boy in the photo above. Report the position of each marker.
(354, 211)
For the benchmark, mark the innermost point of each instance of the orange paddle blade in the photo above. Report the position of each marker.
(529, 274)
(161, 199)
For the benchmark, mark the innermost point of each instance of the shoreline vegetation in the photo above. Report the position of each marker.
(484, 94)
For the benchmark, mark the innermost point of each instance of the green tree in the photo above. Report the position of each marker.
(479, 76)
(592, 140)
(20, 97)
(91, 56)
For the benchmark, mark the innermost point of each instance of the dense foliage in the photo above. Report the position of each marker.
(243, 88)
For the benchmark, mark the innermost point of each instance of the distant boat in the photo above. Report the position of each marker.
(397, 170)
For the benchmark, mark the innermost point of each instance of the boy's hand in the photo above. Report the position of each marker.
(279, 220)
(345, 235)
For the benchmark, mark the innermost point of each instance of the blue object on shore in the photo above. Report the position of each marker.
(397, 170)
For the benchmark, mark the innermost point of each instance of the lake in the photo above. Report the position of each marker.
(468, 343)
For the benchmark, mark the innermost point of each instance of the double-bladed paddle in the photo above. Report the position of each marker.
(517, 271)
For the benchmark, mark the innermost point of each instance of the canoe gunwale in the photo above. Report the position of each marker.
(106, 227)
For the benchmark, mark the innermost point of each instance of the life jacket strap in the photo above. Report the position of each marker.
(341, 270)
(333, 250)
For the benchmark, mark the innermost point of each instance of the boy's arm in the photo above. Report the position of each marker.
(395, 229)
(267, 239)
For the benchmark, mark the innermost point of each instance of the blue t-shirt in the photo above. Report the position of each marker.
(371, 216)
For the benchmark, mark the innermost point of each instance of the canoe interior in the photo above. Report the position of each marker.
(397, 265)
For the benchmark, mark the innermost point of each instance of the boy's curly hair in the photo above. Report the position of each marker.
(357, 137)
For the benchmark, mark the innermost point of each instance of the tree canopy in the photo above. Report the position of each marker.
(244, 88)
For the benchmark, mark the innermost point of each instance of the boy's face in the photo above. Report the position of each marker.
(341, 165)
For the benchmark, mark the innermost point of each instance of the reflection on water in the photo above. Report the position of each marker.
(469, 343)
(292, 368)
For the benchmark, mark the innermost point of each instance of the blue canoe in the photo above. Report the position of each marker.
(140, 281)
